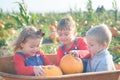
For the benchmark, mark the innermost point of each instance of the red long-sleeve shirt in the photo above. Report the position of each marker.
(82, 50)
(22, 69)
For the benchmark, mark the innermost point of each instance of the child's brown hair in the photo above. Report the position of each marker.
(66, 23)
(29, 32)
(100, 33)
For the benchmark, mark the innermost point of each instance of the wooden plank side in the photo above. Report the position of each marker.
(7, 72)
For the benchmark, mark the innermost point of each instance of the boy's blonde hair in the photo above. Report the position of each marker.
(100, 33)
(29, 32)
(66, 23)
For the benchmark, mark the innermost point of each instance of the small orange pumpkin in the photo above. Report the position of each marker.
(117, 66)
(40, 25)
(52, 28)
(54, 36)
(70, 64)
(116, 50)
(52, 70)
(2, 25)
(11, 31)
(114, 31)
(1, 35)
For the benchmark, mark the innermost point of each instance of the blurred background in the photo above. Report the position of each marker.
(45, 15)
(46, 6)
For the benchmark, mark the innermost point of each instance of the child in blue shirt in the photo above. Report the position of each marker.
(98, 40)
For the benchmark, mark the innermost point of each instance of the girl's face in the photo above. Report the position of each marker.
(93, 46)
(66, 36)
(31, 46)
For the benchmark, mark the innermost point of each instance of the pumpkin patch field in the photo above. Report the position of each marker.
(11, 23)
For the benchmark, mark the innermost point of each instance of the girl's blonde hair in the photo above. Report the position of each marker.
(27, 33)
(66, 23)
(100, 33)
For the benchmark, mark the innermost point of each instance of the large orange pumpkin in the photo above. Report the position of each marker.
(70, 64)
(52, 70)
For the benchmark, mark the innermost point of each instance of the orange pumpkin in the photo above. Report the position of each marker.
(114, 31)
(54, 36)
(52, 28)
(52, 70)
(40, 25)
(1, 25)
(1, 35)
(116, 50)
(11, 31)
(70, 64)
(117, 66)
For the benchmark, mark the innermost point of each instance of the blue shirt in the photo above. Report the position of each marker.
(102, 61)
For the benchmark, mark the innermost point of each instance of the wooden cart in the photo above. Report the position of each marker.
(7, 72)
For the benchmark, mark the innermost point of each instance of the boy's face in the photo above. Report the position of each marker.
(31, 46)
(93, 46)
(66, 36)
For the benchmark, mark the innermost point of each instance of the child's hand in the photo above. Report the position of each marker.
(74, 53)
(38, 71)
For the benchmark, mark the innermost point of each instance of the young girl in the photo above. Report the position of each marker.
(28, 59)
(67, 33)
(98, 39)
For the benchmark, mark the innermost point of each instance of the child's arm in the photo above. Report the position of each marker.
(80, 53)
(38, 71)
(46, 60)
(84, 53)
(83, 48)
(19, 63)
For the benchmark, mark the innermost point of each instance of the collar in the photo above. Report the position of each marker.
(100, 53)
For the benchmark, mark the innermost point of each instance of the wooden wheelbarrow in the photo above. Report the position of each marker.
(7, 72)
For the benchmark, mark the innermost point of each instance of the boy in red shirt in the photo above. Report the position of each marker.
(67, 33)
(28, 59)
